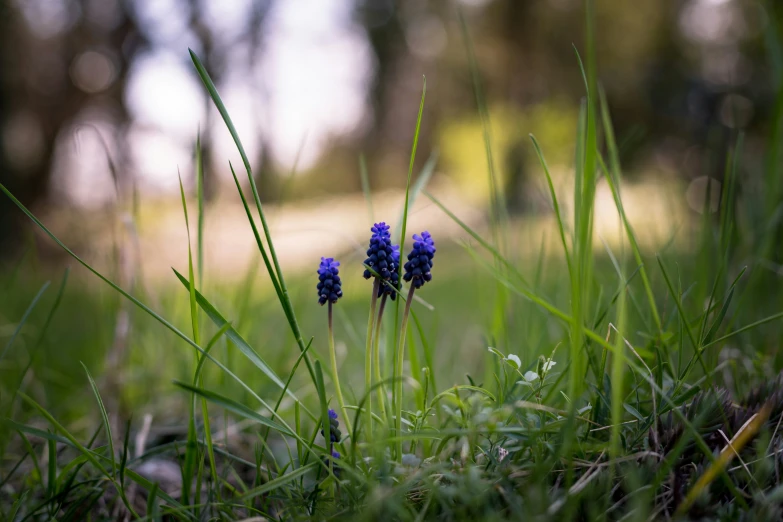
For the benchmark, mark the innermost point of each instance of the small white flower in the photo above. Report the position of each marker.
(548, 365)
(530, 376)
(513, 360)
(502, 454)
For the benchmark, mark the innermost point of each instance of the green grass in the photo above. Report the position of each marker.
(580, 384)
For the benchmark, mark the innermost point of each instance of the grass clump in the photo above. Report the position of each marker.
(611, 403)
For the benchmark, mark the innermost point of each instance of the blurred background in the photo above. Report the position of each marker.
(100, 109)
(89, 87)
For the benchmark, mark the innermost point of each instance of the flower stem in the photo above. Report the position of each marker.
(377, 358)
(398, 372)
(368, 355)
(336, 376)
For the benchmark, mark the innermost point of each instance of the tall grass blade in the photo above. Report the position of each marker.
(104, 419)
(192, 449)
(276, 483)
(686, 324)
(200, 198)
(25, 316)
(397, 369)
(475, 235)
(365, 175)
(418, 186)
(34, 353)
(236, 407)
(613, 180)
(135, 301)
(555, 205)
(87, 453)
(277, 273)
(404, 226)
(232, 334)
(710, 335)
(498, 211)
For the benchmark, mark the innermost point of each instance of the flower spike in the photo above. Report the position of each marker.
(419, 265)
(381, 253)
(329, 284)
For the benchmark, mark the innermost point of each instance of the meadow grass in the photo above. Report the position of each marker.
(598, 385)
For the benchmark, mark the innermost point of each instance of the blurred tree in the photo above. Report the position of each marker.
(58, 60)
(383, 21)
(216, 50)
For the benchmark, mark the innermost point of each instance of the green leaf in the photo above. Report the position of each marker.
(132, 299)
(555, 205)
(232, 334)
(104, 418)
(25, 316)
(633, 411)
(276, 483)
(232, 405)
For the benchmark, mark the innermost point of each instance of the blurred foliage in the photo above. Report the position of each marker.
(462, 146)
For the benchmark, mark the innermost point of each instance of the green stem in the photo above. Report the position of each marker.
(377, 358)
(368, 355)
(335, 375)
(398, 372)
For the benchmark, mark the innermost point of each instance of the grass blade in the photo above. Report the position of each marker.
(135, 301)
(200, 198)
(232, 334)
(90, 455)
(475, 235)
(238, 408)
(553, 195)
(421, 183)
(277, 274)
(104, 418)
(25, 316)
(397, 366)
(613, 180)
(722, 314)
(276, 483)
(404, 226)
(366, 186)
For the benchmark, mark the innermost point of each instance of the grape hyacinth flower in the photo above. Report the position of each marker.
(393, 283)
(383, 259)
(329, 291)
(419, 265)
(329, 285)
(334, 428)
(380, 253)
(335, 467)
(334, 437)
(418, 270)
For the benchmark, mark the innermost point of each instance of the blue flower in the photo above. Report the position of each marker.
(329, 285)
(419, 265)
(388, 287)
(334, 427)
(335, 468)
(380, 255)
